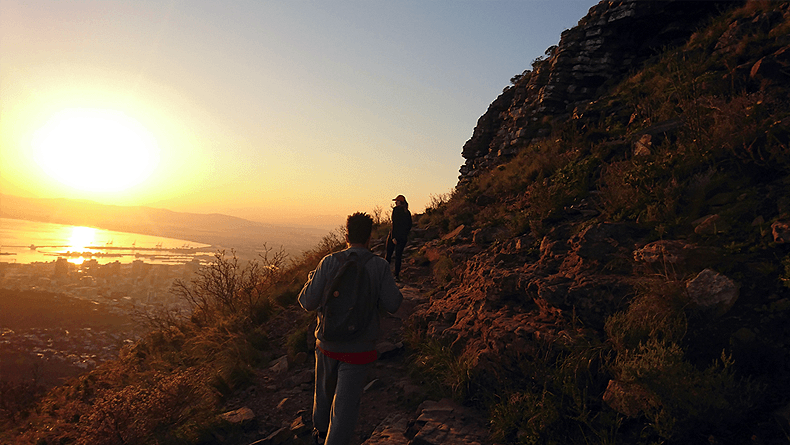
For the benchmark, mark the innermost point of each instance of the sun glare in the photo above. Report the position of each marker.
(95, 150)
(79, 241)
(81, 237)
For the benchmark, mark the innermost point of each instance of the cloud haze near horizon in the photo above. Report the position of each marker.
(276, 111)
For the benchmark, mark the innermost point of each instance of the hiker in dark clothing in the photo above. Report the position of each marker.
(401, 225)
(341, 366)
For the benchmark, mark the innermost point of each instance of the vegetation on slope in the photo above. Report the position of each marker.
(694, 146)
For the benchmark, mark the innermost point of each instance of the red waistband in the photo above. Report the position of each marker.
(354, 358)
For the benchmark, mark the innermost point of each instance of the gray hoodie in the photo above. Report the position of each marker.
(384, 288)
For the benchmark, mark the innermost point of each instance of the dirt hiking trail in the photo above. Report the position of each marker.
(276, 409)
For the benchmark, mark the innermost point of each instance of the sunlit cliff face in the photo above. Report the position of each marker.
(95, 150)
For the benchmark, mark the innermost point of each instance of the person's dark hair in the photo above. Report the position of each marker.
(358, 228)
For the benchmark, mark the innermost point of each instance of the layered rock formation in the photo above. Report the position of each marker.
(612, 40)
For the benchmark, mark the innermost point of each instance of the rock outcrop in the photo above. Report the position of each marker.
(612, 40)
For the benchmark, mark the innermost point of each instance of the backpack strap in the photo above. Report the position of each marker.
(361, 261)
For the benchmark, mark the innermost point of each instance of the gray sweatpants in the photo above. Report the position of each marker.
(338, 389)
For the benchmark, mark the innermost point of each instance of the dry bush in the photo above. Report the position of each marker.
(155, 409)
(437, 201)
(226, 288)
(332, 242)
(556, 397)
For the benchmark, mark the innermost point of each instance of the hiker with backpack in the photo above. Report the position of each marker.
(346, 289)
(401, 225)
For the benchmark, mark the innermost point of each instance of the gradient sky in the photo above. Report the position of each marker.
(277, 111)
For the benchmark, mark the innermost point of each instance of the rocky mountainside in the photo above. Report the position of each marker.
(615, 38)
(613, 262)
(612, 267)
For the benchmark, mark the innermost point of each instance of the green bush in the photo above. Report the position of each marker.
(657, 313)
(449, 374)
(443, 270)
(558, 399)
(299, 339)
(647, 338)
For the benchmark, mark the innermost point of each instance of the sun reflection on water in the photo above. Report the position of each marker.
(79, 240)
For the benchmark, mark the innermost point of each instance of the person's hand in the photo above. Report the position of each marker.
(394, 241)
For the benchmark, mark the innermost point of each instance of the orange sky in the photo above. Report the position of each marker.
(286, 112)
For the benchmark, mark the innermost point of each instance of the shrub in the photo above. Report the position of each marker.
(524, 417)
(558, 398)
(449, 374)
(437, 201)
(657, 313)
(334, 241)
(647, 338)
(300, 338)
(685, 399)
(224, 288)
(17, 397)
(143, 412)
(443, 270)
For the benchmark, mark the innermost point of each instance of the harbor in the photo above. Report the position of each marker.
(27, 242)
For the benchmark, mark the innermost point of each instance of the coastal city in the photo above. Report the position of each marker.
(60, 318)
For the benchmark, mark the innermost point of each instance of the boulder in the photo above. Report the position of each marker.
(388, 349)
(643, 145)
(277, 437)
(280, 365)
(781, 231)
(710, 225)
(712, 292)
(484, 236)
(662, 252)
(238, 416)
(460, 232)
(305, 376)
(602, 241)
(299, 359)
(390, 431)
(445, 422)
(672, 255)
(299, 427)
(427, 233)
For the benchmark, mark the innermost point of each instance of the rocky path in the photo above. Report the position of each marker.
(394, 409)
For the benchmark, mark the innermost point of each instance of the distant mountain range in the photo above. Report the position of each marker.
(221, 231)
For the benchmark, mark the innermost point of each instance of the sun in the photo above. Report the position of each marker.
(95, 150)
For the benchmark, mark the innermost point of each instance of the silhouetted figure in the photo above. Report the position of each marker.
(401, 225)
(341, 366)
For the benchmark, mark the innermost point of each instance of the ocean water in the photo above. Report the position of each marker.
(28, 241)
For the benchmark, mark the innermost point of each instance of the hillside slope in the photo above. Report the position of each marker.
(613, 263)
